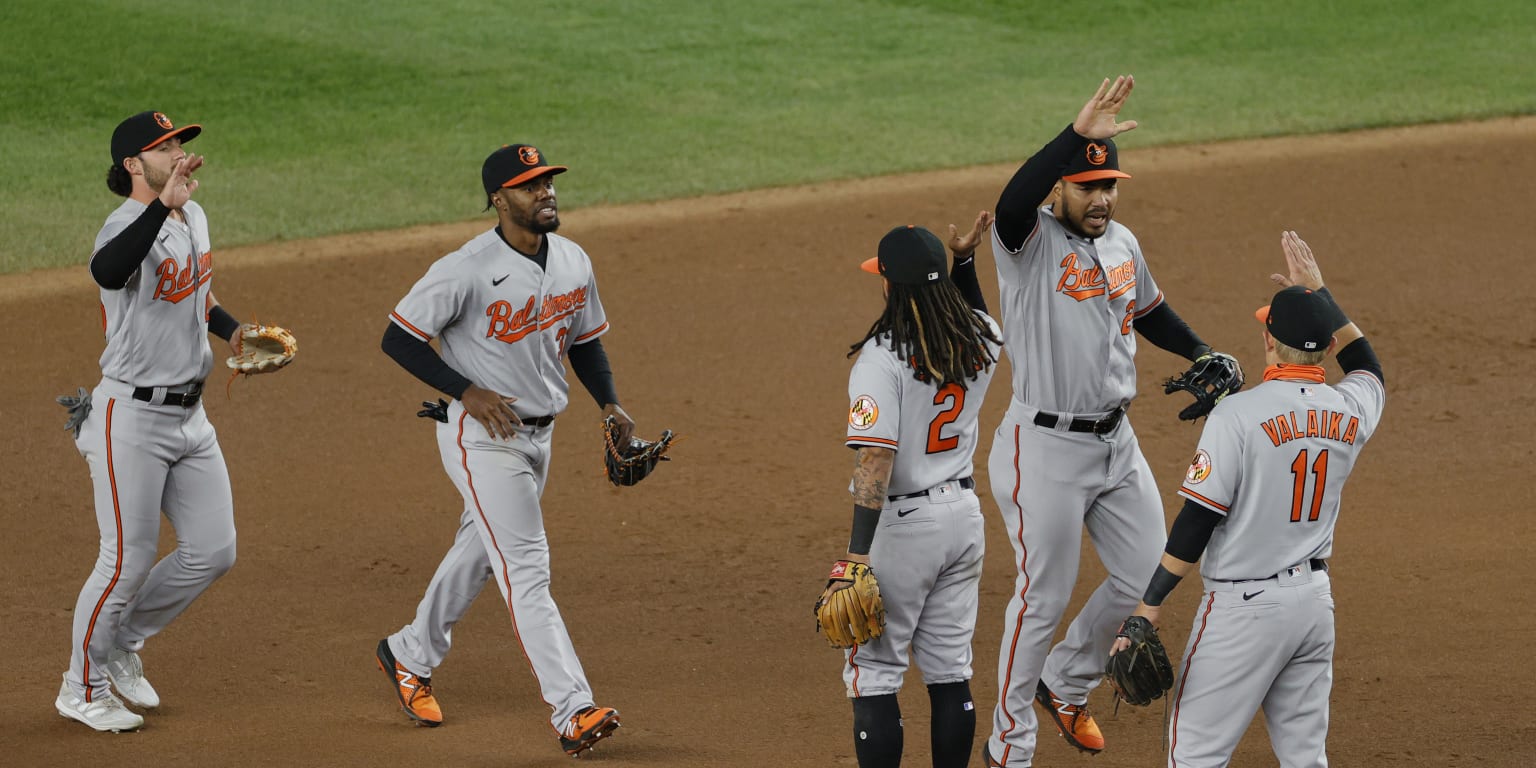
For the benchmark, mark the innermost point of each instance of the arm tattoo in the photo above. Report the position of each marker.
(872, 475)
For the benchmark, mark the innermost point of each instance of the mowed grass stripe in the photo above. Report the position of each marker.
(327, 117)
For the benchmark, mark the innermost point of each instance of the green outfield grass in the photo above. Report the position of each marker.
(325, 116)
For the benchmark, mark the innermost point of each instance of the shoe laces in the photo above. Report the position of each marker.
(133, 664)
(108, 702)
(1072, 713)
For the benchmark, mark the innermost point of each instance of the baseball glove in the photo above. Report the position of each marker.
(850, 611)
(1142, 672)
(437, 411)
(263, 349)
(1213, 376)
(627, 465)
(79, 407)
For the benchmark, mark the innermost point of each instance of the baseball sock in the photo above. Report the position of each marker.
(877, 737)
(954, 724)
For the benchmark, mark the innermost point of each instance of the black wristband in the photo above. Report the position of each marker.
(1163, 581)
(1339, 319)
(221, 323)
(865, 520)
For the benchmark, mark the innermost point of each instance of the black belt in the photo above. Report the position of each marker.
(966, 484)
(537, 421)
(1317, 563)
(183, 399)
(1101, 427)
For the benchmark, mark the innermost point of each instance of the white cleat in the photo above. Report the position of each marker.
(106, 713)
(127, 674)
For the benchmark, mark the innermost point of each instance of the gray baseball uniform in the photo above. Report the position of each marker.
(148, 455)
(928, 548)
(1273, 461)
(505, 324)
(1064, 457)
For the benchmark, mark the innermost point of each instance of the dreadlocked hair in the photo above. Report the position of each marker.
(935, 331)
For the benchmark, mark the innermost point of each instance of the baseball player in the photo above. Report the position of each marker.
(1074, 285)
(507, 307)
(1262, 496)
(915, 393)
(142, 429)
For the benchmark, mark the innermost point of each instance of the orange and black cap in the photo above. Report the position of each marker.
(909, 255)
(515, 164)
(147, 130)
(1299, 318)
(1096, 159)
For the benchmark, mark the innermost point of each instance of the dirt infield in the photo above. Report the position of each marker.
(689, 596)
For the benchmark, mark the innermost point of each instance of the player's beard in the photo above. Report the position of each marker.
(534, 224)
(1074, 220)
(154, 177)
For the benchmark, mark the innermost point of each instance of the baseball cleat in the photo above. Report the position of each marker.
(1072, 721)
(106, 713)
(588, 727)
(126, 671)
(413, 691)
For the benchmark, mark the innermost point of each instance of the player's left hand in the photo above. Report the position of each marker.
(964, 246)
(626, 424)
(261, 348)
(1148, 612)
(850, 611)
(1300, 262)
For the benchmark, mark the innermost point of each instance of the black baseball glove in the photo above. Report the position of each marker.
(1213, 376)
(629, 464)
(1142, 672)
(437, 411)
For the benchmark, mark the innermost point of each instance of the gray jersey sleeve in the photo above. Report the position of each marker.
(874, 399)
(592, 321)
(434, 302)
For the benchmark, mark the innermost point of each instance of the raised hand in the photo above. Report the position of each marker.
(1097, 119)
(1300, 263)
(180, 186)
(963, 246)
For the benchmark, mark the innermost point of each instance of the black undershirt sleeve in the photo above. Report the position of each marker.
(1359, 356)
(1192, 531)
(223, 324)
(116, 262)
(1164, 328)
(590, 362)
(1029, 186)
(423, 362)
(862, 537)
(963, 273)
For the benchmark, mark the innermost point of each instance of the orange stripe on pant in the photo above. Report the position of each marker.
(1173, 741)
(1023, 596)
(506, 570)
(117, 567)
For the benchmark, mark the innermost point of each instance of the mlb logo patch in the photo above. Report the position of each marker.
(1307, 391)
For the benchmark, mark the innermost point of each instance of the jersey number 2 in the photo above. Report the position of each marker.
(955, 396)
(1299, 486)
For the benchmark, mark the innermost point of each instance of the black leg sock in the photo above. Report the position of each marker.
(954, 724)
(877, 731)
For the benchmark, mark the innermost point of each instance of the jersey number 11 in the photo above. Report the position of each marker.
(1299, 487)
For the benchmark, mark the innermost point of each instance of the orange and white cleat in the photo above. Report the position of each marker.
(588, 727)
(413, 691)
(1072, 720)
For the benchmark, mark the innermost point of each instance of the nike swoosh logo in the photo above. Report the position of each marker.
(905, 512)
(1252, 595)
(498, 280)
